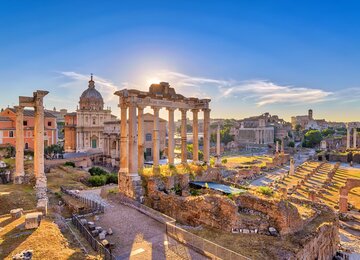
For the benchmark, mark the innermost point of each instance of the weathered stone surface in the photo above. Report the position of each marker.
(16, 213)
(32, 220)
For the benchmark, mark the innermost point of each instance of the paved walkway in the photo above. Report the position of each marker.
(136, 235)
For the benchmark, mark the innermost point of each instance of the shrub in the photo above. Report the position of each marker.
(194, 192)
(71, 164)
(112, 178)
(266, 191)
(98, 180)
(224, 161)
(97, 171)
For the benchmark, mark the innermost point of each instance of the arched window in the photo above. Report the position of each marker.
(148, 137)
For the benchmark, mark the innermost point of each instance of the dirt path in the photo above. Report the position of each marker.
(138, 236)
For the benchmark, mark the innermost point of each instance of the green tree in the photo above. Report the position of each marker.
(327, 132)
(291, 144)
(52, 150)
(312, 138)
(298, 128)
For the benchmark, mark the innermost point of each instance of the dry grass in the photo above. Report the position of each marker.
(166, 170)
(72, 178)
(16, 196)
(47, 242)
(248, 161)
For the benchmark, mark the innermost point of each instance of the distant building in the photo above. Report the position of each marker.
(89, 122)
(260, 130)
(8, 128)
(60, 119)
(308, 122)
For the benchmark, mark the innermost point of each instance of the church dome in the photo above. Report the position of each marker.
(91, 99)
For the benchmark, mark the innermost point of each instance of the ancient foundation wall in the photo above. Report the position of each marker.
(323, 246)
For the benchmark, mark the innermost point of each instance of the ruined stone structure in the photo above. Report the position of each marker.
(351, 128)
(344, 191)
(37, 103)
(132, 132)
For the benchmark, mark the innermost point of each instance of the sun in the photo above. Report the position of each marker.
(150, 81)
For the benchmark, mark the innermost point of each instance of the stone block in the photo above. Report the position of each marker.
(102, 235)
(42, 205)
(32, 220)
(100, 229)
(83, 221)
(16, 213)
(91, 227)
(95, 233)
(110, 232)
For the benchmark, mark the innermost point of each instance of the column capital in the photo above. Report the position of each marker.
(195, 110)
(19, 108)
(156, 109)
(206, 109)
(171, 109)
(141, 107)
(183, 110)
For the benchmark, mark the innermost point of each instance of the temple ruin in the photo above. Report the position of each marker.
(133, 102)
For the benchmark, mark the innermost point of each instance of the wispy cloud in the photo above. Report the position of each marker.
(105, 86)
(262, 92)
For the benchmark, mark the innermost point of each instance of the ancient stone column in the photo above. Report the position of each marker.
(206, 135)
(195, 135)
(292, 166)
(348, 129)
(19, 160)
(171, 140)
(257, 137)
(123, 139)
(282, 146)
(183, 136)
(39, 170)
(354, 137)
(156, 141)
(133, 145)
(218, 147)
(141, 138)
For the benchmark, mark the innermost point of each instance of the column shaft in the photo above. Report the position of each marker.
(141, 139)
(133, 146)
(19, 171)
(348, 137)
(195, 135)
(183, 137)
(156, 140)
(354, 137)
(171, 140)
(123, 140)
(206, 135)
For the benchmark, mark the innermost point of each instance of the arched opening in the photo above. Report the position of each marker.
(26, 146)
(344, 192)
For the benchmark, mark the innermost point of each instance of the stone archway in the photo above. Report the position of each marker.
(344, 191)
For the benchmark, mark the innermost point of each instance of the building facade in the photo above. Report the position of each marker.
(84, 129)
(8, 128)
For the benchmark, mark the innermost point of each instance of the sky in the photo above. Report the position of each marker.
(249, 57)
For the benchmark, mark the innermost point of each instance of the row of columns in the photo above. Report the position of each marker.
(132, 139)
(348, 137)
(263, 136)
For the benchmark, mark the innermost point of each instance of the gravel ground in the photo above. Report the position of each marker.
(136, 235)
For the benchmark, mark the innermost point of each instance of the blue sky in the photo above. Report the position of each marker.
(250, 57)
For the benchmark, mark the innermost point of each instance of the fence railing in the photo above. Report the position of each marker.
(96, 245)
(199, 244)
(94, 206)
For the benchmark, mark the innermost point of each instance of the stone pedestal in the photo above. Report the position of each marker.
(16, 213)
(42, 206)
(131, 186)
(32, 220)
